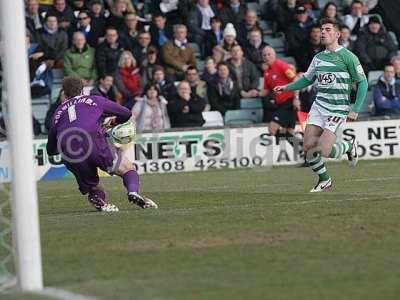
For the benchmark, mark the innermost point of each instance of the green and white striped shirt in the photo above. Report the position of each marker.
(335, 71)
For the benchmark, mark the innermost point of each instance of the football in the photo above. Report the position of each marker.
(124, 133)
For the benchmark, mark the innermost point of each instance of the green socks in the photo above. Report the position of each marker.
(318, 166)
(340, 148)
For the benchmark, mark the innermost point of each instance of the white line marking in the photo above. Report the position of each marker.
(63, 295)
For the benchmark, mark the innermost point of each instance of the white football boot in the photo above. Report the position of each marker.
(141, 201)
(352, 154)
(322, 186)
(108, 207)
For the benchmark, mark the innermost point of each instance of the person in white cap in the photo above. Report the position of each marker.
(221, 52)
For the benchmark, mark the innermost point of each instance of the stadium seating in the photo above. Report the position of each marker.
(243, 116)
(277, 43)
(40, 106)
(368, 105)
(196, 49)
(213, 119)
(58, 75)
(373, 77)
(251, 103)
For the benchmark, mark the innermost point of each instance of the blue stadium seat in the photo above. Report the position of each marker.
(243, 116)
(251, 103)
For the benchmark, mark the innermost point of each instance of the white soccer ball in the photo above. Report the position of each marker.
(124, 133)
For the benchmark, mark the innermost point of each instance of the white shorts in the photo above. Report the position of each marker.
(322, 118)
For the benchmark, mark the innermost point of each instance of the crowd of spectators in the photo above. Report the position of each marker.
(171, 60)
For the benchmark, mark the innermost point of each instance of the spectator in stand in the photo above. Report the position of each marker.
(374, 46)
(53, 41)
(254, 48)
(39, 72)
(127, 78)
(356, 20)
(199, 22)
(97, 17)
(186, 110)
(309, 49)
(222, 52)
(85, 27)
(244, 28)
(65, 15)
(198, 86)
(330, 11)
(298, 32)
(148, 65)
(160, 31)
(118, 10)
(387, 93)
(223, 92)
(105, 88)
(245, 73)
(285, 15)
(34, 18)
(395, 61)
(150, 111)
(140, 49)
(169, 8)
(77, 6)
(79, 60)
(278, 72)
(368, 5)
(166, 86)
(210, 71)
(130, 31)
(233, 12)
(345, 40)
(213, 37)
(177, 54)
(108, 53)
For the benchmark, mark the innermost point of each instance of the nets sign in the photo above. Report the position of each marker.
(199, 150)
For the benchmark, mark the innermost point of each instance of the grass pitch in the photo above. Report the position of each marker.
(230, 234)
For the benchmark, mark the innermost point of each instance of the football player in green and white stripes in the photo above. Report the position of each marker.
(335, 70)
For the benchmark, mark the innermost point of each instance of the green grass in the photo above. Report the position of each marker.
(230, 234)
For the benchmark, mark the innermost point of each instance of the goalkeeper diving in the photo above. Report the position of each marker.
(85, 143)
(335, 69)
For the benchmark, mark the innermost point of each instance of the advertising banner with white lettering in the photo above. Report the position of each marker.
(199, 150)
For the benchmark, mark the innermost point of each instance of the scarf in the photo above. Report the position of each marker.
(180, 45)
(225, 87)
(206, 13)
(50, 31)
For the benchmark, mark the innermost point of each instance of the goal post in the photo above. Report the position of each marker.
(25, 219)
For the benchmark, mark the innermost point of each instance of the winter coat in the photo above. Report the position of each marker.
(192, 118)
(143, 114)
(175, 58)
(387, 97)
(54, 44)
(81, 64)
(374, 49)
(107, 58)
(250, 75)
(127, 81)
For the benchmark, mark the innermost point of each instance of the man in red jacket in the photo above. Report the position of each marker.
(278, 72)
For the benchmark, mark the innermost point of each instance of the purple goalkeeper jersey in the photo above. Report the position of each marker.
(77, 125)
